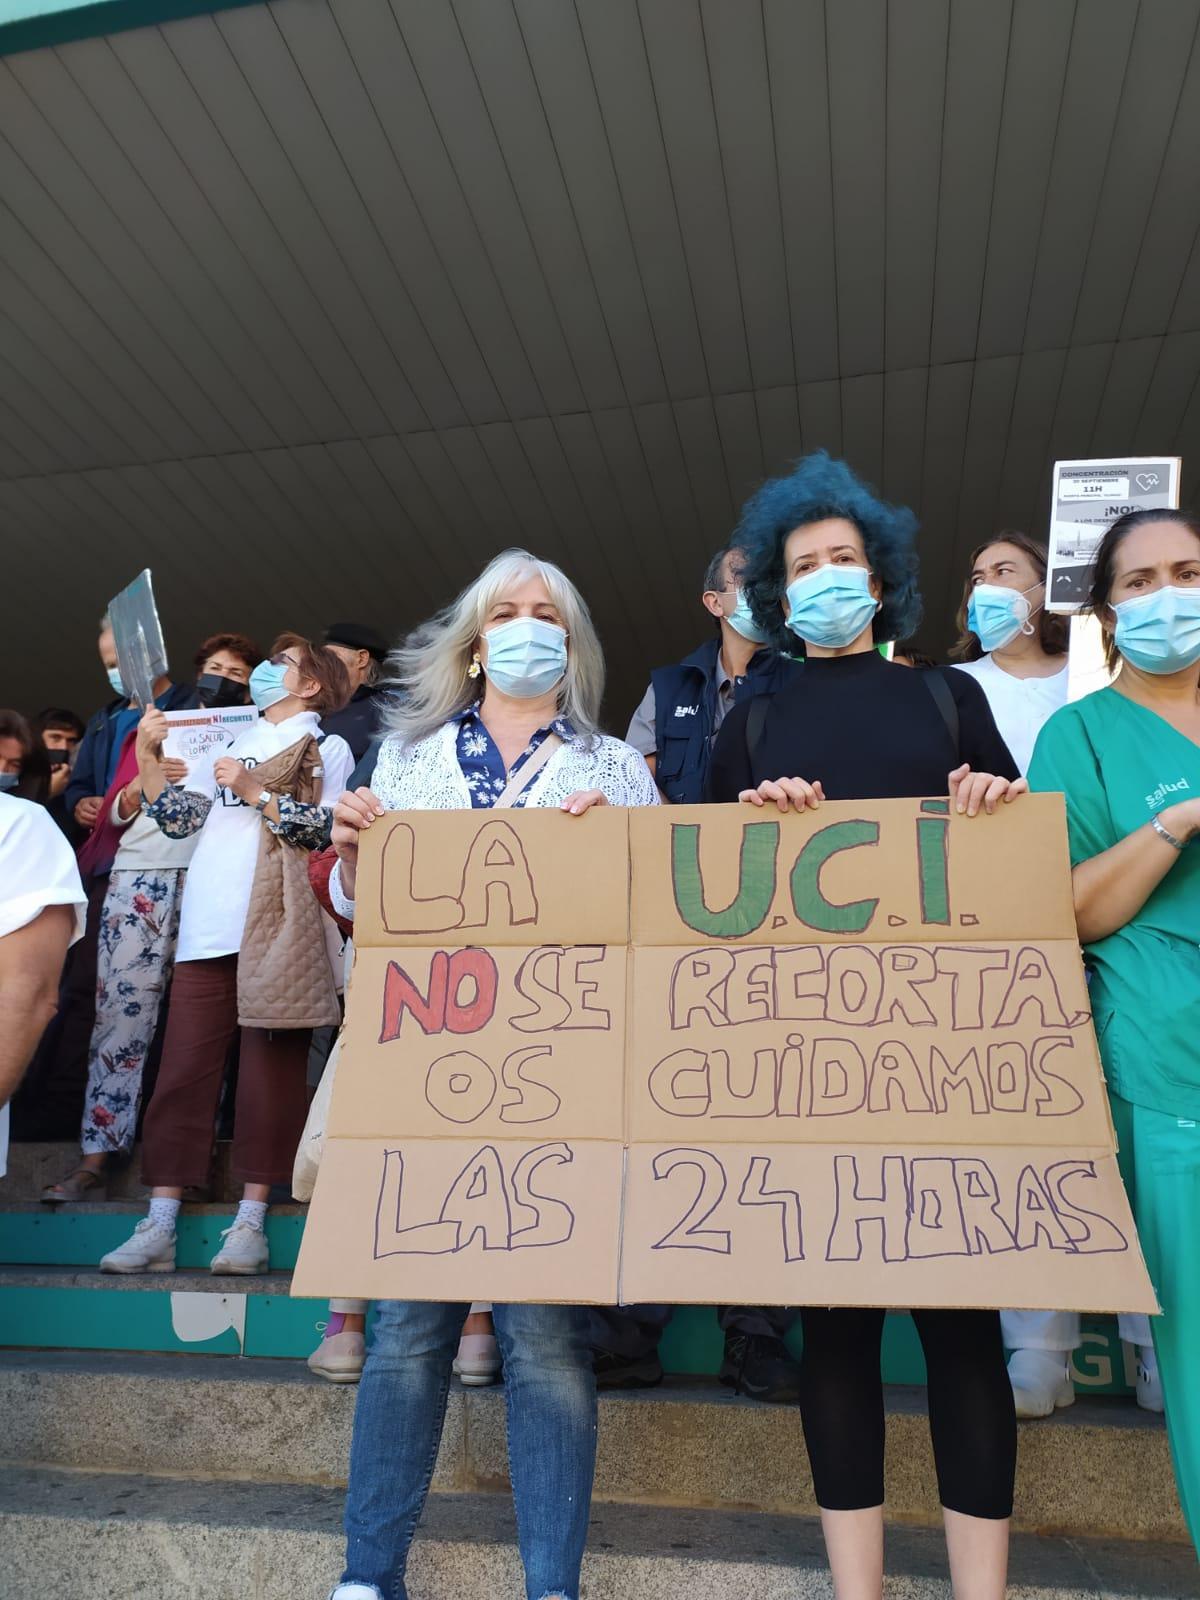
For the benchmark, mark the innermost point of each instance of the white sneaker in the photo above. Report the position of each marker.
(478, 1360)
(339, 1357)
(1149, 1383)
(244, 1252)
(356, 1591)
(150, 1249)
(1041, 1382)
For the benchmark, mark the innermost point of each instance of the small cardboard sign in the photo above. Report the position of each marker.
(712, 1054)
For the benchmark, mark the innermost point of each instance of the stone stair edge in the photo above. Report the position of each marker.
(198, 1281)
(686, 1444)
(87, 1532)
(34, 1163)
(1100, 1411)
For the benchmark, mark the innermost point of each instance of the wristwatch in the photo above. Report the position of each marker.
(264, 800)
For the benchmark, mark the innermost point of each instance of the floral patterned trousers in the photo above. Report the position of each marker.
(138, 930)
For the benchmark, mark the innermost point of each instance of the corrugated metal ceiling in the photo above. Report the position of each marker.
(314, 305)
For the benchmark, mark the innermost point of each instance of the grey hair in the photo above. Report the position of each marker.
(429, 670)
(714, 572)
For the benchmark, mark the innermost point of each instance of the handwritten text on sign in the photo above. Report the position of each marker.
(697, 1054)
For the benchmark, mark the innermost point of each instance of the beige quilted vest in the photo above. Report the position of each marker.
(284, 976)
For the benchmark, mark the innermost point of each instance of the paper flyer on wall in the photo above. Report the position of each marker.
(1086, 498)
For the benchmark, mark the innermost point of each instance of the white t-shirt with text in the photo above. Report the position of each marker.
(221, 875)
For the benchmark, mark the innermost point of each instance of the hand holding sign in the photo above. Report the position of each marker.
(151, 732)
(352, 815)
(784, 791)
(583, 800)
(970, 790)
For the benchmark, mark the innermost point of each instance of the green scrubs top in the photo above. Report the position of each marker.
(1119, 765)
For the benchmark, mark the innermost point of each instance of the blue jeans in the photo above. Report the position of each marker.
(551, 1398)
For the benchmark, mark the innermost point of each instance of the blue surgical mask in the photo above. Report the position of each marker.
(741, 620)
(996, 615)
(1160, 632)
(114, 677)
(9, 780)
(526, 657)
(267, 687)
(831, 606)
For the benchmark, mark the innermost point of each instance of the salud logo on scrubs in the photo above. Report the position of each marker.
(741, 620)
(1160, 632)
(831, 606)
(267, 687)
(996, 615)
(526, 657)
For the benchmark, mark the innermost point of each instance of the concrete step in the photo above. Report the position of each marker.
(1101, 1467)
(32, 1166)
(78, 1235)
(79, 1308)
(109, 1536)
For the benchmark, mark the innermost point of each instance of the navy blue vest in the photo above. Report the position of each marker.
(685, 698)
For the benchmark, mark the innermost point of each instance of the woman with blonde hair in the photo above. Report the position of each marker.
(499, 704)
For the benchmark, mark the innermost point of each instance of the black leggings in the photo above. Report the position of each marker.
(971, 1417)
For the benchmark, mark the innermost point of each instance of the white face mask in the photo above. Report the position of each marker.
(996, 615)
(1160, 632)
(741, 620)
(831, 606)
(526, 657)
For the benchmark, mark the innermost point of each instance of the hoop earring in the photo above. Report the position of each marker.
(476, 666)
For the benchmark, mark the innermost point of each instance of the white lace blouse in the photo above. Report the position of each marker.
(426, 776)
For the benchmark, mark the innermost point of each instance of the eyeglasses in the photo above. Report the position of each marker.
(284, 660)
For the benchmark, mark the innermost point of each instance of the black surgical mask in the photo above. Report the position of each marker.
(215, 692)
(59, 758)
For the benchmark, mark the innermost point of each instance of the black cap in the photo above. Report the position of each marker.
(357, 636)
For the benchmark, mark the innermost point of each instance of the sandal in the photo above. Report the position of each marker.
(82, 1184)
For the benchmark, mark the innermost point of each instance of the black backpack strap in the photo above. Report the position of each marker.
(935, 682)
(756, 722)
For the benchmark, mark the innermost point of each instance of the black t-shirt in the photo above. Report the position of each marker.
(866, 728)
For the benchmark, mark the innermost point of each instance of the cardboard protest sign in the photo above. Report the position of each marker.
(198, 737)
(137, 634)
(1086, 498)
(843, 1058)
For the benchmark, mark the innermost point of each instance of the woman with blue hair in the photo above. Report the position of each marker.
(831, 567)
